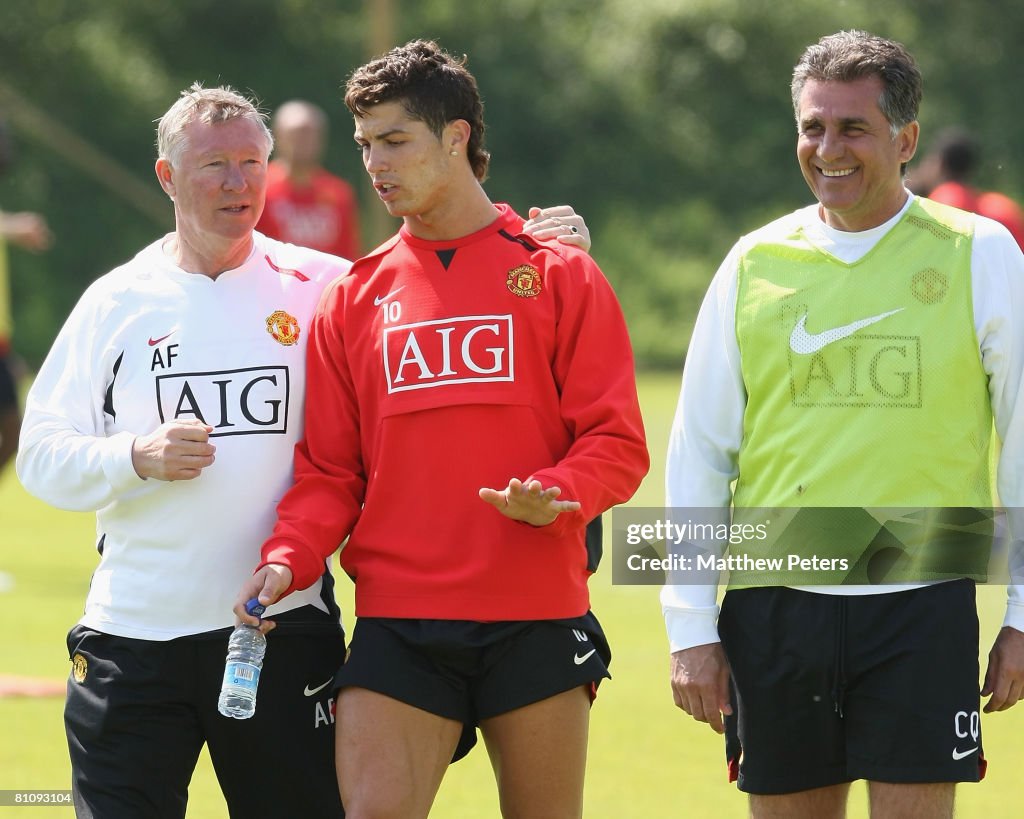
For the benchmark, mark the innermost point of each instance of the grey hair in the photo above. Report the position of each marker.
(853, 55)
(208, 105)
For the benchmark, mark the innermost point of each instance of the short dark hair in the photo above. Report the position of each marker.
(957, 150)
(433, 87)
(853, 55)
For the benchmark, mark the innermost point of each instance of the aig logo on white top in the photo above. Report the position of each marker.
(248, 401)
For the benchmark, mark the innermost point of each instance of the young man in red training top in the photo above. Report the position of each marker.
(472, 405)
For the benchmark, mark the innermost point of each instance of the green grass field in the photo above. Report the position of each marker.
(647, 759)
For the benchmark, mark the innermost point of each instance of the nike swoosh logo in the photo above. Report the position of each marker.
(379, 300)
(961, 754)
(309, 692)
(803, 343)
(154, 341)
(581, 660)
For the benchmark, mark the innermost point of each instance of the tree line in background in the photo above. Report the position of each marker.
(667, 124)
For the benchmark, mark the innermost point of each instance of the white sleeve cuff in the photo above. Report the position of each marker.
(690, 627)
(116, 460)
(1014, 615)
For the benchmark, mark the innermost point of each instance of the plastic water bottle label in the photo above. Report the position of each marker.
(242, 676)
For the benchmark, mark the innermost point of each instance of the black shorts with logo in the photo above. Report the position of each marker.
(832, 688)
(470, 671)
(139, 711)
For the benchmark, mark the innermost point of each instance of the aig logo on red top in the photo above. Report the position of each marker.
(459, 350)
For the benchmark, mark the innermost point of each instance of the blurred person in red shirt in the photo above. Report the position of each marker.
(307, 205)
(951, 166)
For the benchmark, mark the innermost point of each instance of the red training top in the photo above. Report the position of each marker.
(994, 205)
(438, 368)
(323, 215)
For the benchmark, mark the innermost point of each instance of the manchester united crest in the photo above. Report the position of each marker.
(284, 328)
(524, 281)
(79, 668)
(929, 286)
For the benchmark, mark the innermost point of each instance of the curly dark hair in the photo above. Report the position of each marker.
(433, 87)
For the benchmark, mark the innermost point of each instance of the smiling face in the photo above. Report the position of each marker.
(848, 155)
(218, 185)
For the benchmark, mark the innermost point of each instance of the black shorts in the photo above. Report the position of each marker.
(469, 671)
(831, 688)
(139, 711)
(8, 387)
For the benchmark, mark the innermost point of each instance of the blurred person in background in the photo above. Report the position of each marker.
(29, 231)
(947, 175)
(306, 204)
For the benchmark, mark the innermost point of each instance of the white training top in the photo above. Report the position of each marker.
(148, 343)
(708, 427)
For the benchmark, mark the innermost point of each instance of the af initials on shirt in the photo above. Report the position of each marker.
(458, 350)
(249, 401)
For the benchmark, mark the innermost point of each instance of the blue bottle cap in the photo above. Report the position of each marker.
(255, 608)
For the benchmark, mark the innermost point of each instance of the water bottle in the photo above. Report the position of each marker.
(246, 648)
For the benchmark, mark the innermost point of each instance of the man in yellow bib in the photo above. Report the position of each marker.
(849, 357)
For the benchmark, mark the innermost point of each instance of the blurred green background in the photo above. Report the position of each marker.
(666, 122)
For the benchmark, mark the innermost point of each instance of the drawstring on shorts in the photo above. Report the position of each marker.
(839, 674)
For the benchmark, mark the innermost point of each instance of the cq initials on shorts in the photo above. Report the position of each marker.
(967, 725)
